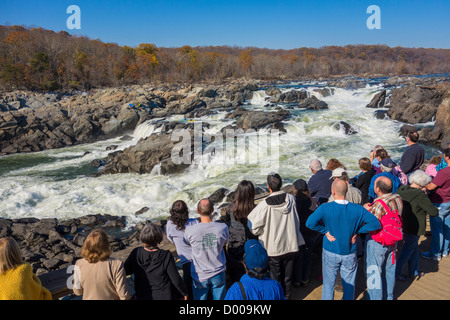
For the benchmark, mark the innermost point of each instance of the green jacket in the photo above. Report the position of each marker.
(416, 206)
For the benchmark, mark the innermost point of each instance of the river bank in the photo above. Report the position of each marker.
(32, 121)
(115, 170)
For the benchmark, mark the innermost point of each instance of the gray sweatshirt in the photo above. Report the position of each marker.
(207, 241)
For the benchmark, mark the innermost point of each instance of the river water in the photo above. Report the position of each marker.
(59, 183)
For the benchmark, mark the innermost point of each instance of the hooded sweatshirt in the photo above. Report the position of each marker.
(275, 221)
(154, 272)
(416, 206)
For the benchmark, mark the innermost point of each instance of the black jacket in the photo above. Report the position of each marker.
(363, 183)
(154, 274)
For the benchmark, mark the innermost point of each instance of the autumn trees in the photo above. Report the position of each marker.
(39, 59)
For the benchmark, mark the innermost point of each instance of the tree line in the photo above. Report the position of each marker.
(39, 59)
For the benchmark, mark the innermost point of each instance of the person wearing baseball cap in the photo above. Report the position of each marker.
(353, 194)
(386, 166)
(255, 285)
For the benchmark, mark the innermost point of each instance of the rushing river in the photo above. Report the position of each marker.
(59, 183)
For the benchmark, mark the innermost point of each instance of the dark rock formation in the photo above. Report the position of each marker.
(261, 119)
(312, 103)
(292, 96)
(345, 127)
(49, 244)
(378, 100)
(415, 104)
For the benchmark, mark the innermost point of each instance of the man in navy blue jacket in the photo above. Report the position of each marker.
(414, 155)
(319, 185)
(340, 221)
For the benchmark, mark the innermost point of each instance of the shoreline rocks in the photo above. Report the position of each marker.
(49, 244)
(65, 120)
(413, 104)
(31, 121)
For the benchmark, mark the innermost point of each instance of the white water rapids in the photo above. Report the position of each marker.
(58, 183)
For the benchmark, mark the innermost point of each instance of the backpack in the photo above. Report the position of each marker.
(397, 171)
(237, 236)
(391, 228)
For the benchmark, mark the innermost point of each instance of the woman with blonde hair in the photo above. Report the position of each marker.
(17, 280)
(98, 276)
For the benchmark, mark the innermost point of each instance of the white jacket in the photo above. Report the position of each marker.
(275, 221)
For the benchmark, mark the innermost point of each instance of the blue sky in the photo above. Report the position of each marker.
(264, 24)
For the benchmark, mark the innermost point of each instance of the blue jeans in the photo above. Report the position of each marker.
(380, 271)
(440, 230)
(410, 255)
(216, 284)
(347, 266)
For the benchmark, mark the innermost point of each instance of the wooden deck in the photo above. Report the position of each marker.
(435, 285)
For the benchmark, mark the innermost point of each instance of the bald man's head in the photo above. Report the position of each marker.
(339, 189)
(205, 207)
(384, 185)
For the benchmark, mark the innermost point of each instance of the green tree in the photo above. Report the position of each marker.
(39, 62)
(13, 75)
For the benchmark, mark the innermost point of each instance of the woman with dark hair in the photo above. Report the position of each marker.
(236, 219)
(177, 223)
(362, 181)
(305, 207)
(154, 269)
(380, 155)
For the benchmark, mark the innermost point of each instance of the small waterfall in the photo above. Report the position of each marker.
(144, 130)
(259, 97)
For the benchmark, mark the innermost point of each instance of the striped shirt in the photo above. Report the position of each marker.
(393, 201)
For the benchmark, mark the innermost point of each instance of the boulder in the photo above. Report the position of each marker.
(239, 111)
(272, 91)
(261, 119)
(292, 96)
(207, 93)
(145, 156)
(345, 127)
(407, 128)
(380, 114)
(415, 104)
(186, 105)
(141, 211)
(312, 103)
(218, 195)
(52, 122)
(378, 100)
(325, 92)
(441, 130)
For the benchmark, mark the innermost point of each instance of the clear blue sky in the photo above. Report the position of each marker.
(265, 24)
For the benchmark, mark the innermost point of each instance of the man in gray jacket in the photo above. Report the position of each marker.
(275, 221)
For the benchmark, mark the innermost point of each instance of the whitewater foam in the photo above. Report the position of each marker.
(57, 183)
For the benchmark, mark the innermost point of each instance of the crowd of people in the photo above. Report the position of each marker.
(260, 250)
